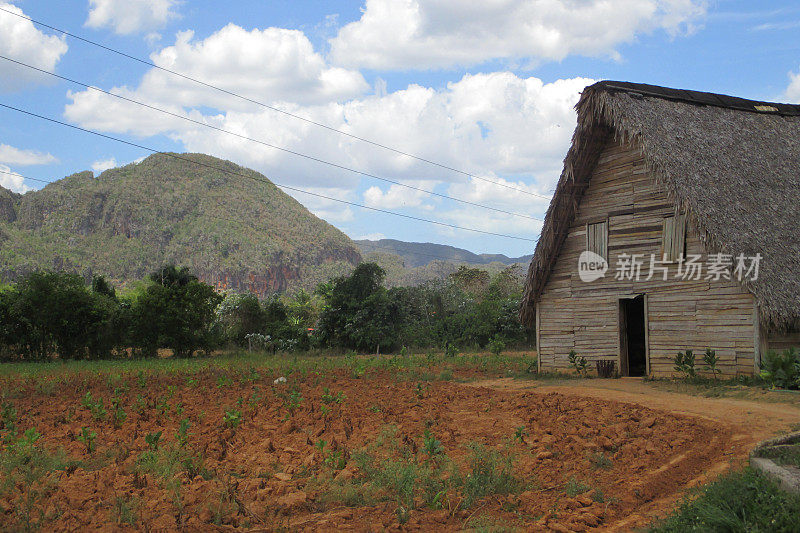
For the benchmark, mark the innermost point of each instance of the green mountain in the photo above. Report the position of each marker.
(235, 231)
(419, 254)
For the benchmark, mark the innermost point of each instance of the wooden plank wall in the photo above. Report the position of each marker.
(574, 315)
(781, 342)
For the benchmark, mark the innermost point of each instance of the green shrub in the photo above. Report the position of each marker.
(152, 440)
(745, 501)
(781, 370)
(684, 363)
(578, 362)
(496, 346)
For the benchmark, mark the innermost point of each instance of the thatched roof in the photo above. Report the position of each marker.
(732, 165)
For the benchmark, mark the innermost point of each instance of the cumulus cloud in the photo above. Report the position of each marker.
(12, 181)
(423, 34)
(397, 196)
(15, 156)
(500, 125)
(272, 65)
(497, 122)
(130, 16)
(20, 40)
(326, 208)
(104, 164)
(793, 90)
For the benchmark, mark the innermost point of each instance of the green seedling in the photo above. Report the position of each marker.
(182, 435)
(152, 440)
(328, 397)
(711, 360)
(232, 419)
(431, 445)
(119, 415)
(87, 437)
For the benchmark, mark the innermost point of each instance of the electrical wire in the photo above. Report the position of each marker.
(273, 108)
(291, 188)
(245, 137)
(372, 245)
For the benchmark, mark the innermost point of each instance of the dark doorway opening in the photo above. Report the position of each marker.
(633, 356)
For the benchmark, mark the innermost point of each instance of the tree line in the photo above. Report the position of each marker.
(56, 314)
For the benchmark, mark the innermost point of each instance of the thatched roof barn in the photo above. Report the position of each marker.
(642, 155)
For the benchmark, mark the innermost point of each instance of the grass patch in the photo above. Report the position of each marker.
(243, 365)
(574, 487)
(745, 501)
(600, 461)
(489, 472)
(489, 524)
(397, 468)
(25, 471)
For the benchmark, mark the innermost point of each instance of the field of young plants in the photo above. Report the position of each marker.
(349, 441)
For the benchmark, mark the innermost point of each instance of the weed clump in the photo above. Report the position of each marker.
(395, 468)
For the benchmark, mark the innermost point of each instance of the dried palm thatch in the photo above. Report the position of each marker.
(732, 165)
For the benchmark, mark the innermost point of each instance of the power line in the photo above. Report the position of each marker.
(245, 137)
(10, 173)
(273, 108)
(296, 189)
(359, 245)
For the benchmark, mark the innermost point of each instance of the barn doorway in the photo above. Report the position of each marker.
(633, 340)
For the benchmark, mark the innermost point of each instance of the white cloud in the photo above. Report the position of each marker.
(422, 34)
(323, 203)
(793, 90)
(13, 181)
(500, 125)
(20, 40)
(130, 16)
(487, 123)
(271, 65)
(104, 164)
(397, 196)
(16, 156)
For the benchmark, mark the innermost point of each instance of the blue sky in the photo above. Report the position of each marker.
(487, 88)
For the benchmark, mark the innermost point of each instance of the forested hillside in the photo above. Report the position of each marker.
(235, 231)
(419, 254)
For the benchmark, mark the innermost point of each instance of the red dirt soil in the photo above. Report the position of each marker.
(263, 467)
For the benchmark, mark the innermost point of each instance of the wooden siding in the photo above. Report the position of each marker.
(784, 341)
(574, 315)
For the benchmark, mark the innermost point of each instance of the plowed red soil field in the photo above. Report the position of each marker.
(584, 463)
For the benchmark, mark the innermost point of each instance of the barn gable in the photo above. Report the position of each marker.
(641, 154)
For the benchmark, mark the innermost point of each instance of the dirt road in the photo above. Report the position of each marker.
(749, 421)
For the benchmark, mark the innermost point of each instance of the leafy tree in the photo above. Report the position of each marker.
(358, 312)
(8, 323)
(101, 286)
(240, 315)
(471, 280)
(55, 312)
(174, 311)
(302, 307)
